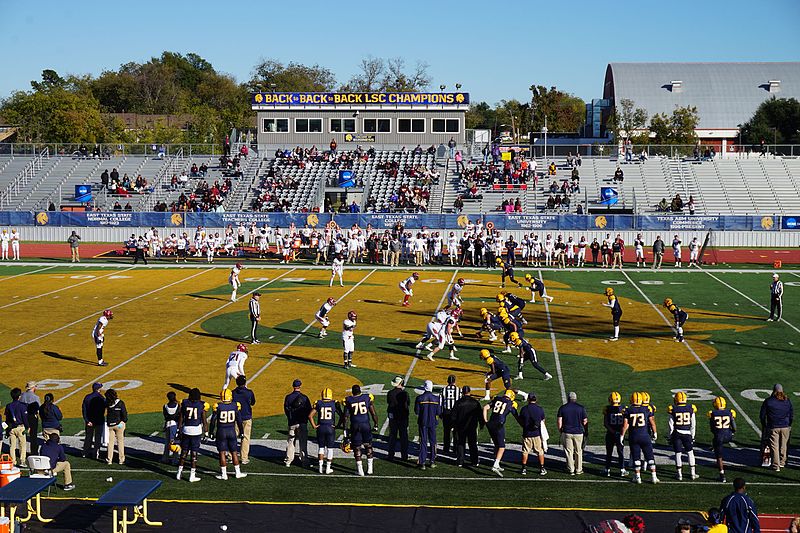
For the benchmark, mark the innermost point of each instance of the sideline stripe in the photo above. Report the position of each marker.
(700, 361)
(731, 287)
(555, 348)
(168, 337)
(414, 361)
(43, 335)
(308, 326)
(25, 273)
(66, 288)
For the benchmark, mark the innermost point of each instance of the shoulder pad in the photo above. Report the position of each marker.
(205, 406)
(371, 398)
(652, 408)
(216, 405)
(514, 405)
(669, 409)
(489, 360)
(709, 414)
(238, 406)
(733, 413)
(694, 408)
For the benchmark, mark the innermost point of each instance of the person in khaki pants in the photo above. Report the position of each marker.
(53, 450)
(776, 416)
(394, 249)
(116, 420)
(16, 416)
(573, 424)
(246, 400)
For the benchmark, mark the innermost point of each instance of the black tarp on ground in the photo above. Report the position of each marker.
(83, 516)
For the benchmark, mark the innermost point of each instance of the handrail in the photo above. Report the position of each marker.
(148, 200)
(24, 176)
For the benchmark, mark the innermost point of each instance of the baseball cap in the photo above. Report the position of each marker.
(428, 385)
(29, 385)
(296, 383)
(256, 293)
(572, 396)
(777, 388)
(776, 275)
(531, 396)
(97, 386)
(397, 381)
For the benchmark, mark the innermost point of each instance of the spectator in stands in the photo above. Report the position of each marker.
(458, 204)
(333, 146)
(578, 160)
(579, 210)
(565, 202)
(459, 162)
(451, 145)
(551, 202)
(662, 205)
(677, 203)
(554, 187)
(643, 156)
(114, 175)
(194, 171)
(51, 207)
(417, 150)
(551, 169)
(53, 450)
(628, 151)
(690, 205)
(104, 180)
(128, 207)
(517, 206)
(575, 175)
(117, 206)
(619, 176)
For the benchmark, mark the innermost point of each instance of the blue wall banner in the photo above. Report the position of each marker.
(265, 100)
(16, 218)
(790, 222)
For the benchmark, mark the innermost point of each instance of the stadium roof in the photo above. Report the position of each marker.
(725, 94)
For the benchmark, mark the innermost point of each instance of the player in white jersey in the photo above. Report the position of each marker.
(286, 248)
(570, 251)
(230, 245)
(406, 286)
(263, 242)
(452, 248)
(454, 294)
(15, 244)
(234, 366)
(233, 280)
(210, 245)
(98, 334)
(337, 268)
(638, 245)
(322, 316)
(5, 238)
(676, 250)
(549, 250)
(199, 237)
(582, 244)
(348, 339)
(525, 249)
(536, 251)
(438, 333)
(694, 251)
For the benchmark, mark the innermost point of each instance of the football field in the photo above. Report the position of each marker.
(174, 327)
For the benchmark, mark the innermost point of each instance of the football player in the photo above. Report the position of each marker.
(226, 419)
(322, 316)
(406, 286)
(613, 416)
(490, 323)
(638, 246)
(513, 304)
(440, 329)
(694, 251)
(537, 285)
(4, 240)
(348, 339)
(15, 244)
(454, 294)
(679, 315)
(616, 311)
(233, 280)
(510, 325)
(527, 353)
(98, 334)
(358, 409)
(506, 271)
(681, 432)
(723, 427)
(637, 418)
(497, 369)
(325, 412)
(337, 268)
(234, 366)
(494, 415)
(192, 425)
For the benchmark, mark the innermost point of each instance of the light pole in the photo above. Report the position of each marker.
(544, 131)
(739, 148)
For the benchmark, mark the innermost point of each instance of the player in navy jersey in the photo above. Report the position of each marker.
(325, 411)
(613, 418)
(497, 369)
(507, 271)
(513, 305)
(679, 315)
(637, 419)
(537, 285)
(358, 409)
(322, 316)
(723, 427)
(490, 323)
(616, 311)
(494, 415)
(527, 353)
(225, 420)
(510, 325)
(192, 425)
(682, 426)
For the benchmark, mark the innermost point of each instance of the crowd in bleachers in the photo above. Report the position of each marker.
(676, 205)
(125, 186)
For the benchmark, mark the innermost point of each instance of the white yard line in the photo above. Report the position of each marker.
(414, 361)
(26, 273)
(740, 293)
(96, 313)
(702, 363)
(555, 348)
(308, 326)
(66, 288)
(168, 337)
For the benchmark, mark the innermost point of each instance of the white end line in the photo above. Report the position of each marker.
(555, 348)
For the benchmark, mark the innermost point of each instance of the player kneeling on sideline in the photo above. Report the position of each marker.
(325, 411)
(226, 419)
(322, 316)
(723, 427)
(682, 426)
(358, 409)
(637, 419)
(192, 425)
(527, 353)
(680, 317)
(497, 369)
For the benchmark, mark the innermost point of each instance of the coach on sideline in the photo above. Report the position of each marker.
(776, 420)
(246, 399)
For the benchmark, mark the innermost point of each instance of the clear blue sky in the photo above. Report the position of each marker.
(494, 49)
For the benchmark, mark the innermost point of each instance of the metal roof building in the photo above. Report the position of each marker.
(725, 94)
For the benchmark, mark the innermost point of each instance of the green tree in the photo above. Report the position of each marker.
(628, 121)
(272, 75)
(481, 116)
(388, 75)
(677, 128)
(776, 120)
(54, 115)
(564, 112)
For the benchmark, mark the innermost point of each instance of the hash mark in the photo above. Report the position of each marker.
(266, 435)
(71, 335)
(737, 342)
(764, 343)
(271, 337)
(372, 339)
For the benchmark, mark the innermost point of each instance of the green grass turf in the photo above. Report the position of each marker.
(753, 359)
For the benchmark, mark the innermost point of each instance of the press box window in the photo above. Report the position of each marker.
(411, 125)
(343, 125)
(377, 125)
(276, 125)
(446, 125)
(308, 125)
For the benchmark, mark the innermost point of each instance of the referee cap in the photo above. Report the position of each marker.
(776, 275)
(256, 293)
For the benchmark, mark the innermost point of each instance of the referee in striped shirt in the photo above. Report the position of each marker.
(776, 298)
(255, 316)
(450, 395)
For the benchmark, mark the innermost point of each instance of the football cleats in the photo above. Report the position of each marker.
(174, 447)
(415, 275)
(108, 313)
(609, 291)
(514, 337)
(500, 297)
(461, 281)
(484, 311)
(485, 354)
(614, 398)
(528, 277)
(239, 266)
(667, 302)
(636, 398)
(352, 315)
(720, 403)
(242, 347)
(680, 397)
(327, 393)
(226, 395)
(510, 394)
(332, 301)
